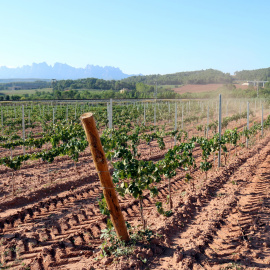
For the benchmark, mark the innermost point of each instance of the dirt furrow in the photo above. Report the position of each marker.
(56, 232)
(244, 238)
(189, 241)
(61, 222)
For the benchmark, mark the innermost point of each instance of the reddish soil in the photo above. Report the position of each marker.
(221, 224)
(199, 88)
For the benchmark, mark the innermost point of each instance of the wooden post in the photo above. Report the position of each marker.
(101, 165)
(175, 121)
(67, 113)
(219, 129)
(247, 122)
(144, 114)
(182, 122)
(155, 112)
(262, 121)
(23, 129)
(207, 129)
(2, 119)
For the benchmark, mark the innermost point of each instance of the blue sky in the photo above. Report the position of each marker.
(140, 36)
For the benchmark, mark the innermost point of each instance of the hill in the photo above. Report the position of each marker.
(208, 76)
(262, 74)
(181, 78)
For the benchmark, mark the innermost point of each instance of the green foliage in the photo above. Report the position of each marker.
(262, 74)
(25, 85)
(131, 175)
(141, 87)
(112, 245)
(191, 77)
(161, 210)
(200, 127)
(103, 206)
(15, 162)
(101, 89)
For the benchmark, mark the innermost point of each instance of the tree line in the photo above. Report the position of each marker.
(93, 83)
(140, 91)
(181, 78)
(262, 74)
(26, 85)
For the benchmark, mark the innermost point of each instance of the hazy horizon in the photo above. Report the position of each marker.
(81, 67)
(147, 37)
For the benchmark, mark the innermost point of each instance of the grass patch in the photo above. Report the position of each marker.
(26, 91)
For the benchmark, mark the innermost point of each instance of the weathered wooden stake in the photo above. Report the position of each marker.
(101, 165)
(155, 114)
(262, 121)
(182, 122)
(23, 128)
(67, 113)
(53, 116)
(247, 123)
(175, 121)
(2, 118)
(207, 129)
(144, 113)
(219, 129)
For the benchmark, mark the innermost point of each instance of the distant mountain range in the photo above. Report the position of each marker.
(61, 72)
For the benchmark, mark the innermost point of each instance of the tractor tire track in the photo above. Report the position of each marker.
(193, 233)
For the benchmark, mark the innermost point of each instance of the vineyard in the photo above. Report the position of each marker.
(191, 177)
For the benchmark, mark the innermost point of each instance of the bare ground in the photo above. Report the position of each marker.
(222, 224)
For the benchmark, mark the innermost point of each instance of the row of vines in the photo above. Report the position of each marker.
(54, 131)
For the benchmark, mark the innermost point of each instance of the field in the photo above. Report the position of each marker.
(200, 88)
(25, 91)
(183, 210)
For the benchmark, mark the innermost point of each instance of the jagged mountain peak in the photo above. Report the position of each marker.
(61, 71)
